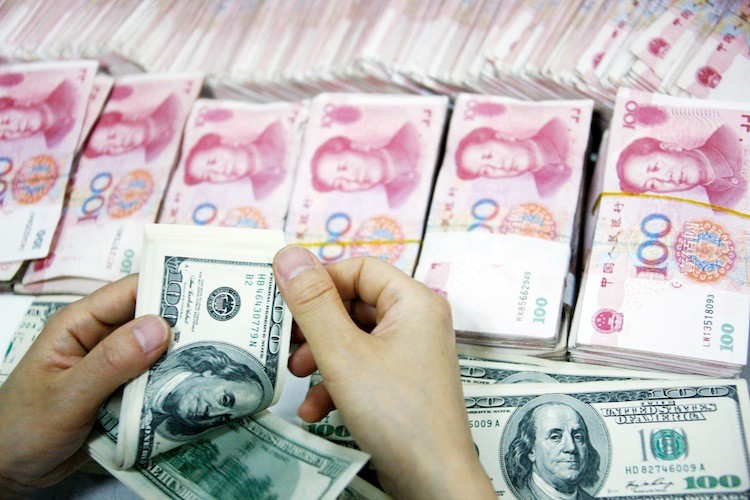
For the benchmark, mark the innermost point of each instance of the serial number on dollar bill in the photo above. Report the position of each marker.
(664, 468)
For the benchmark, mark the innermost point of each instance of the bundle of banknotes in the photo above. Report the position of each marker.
(666, 283)
(230, 331)
(271, 50)
(502, 229)
(365, 175)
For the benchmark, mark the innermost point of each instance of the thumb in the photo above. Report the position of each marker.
(311, 295)
(122, 355)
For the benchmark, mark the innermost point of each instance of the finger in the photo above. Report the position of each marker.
(126, 353)
(297, 336)
(373, 281)
(92, 318)
(312, 297)
(301, 362)
(364, 314)
(317, 404)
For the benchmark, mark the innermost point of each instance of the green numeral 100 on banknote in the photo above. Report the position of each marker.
(711, 482)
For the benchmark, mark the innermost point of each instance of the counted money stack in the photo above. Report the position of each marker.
(666, 284)
(364, 176)
(225, 363)
(42, 112)
(119, 184)
(502, 224)
(237, 165)
(626, 439)
(228, 320)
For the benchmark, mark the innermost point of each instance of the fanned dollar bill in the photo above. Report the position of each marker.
(255, 457)
(634, 439)
(30, 327)
(230, 336)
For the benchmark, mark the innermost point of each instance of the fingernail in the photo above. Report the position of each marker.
(150, 333)
(292, 261)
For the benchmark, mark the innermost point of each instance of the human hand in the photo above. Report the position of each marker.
(49, 402)
(397, 389)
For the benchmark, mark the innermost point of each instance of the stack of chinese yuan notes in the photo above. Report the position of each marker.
(666, 282)
(364, 176)
(502, 224)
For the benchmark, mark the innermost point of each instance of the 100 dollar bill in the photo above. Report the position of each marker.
(261, 456)
(230, 336)
(629, 439)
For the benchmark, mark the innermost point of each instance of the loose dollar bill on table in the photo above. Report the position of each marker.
(626, 439)
(477, 371)
(513, 370)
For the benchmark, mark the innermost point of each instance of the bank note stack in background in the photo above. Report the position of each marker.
(364, 176)
(42, 113)
(502, 225)
(237, 165)
(666, 285)
(119, 185)
(287, 50)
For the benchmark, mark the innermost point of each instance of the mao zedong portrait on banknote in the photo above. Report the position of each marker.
(648, 164)
(485, 152)
(52, 116)
(117, 133)
(201, 386)
(551, 453)
(344, 165)
(215, 159)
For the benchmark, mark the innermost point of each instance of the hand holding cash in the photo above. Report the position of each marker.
(50, 401)
(410, 356)
(388, 384)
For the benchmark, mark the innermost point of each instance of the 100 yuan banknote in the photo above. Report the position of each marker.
(637, 439)
(230, 335)
(237, 165)
(120, 179)
(503, 212)
(42, 108)
(672, 233)
(364, 176)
